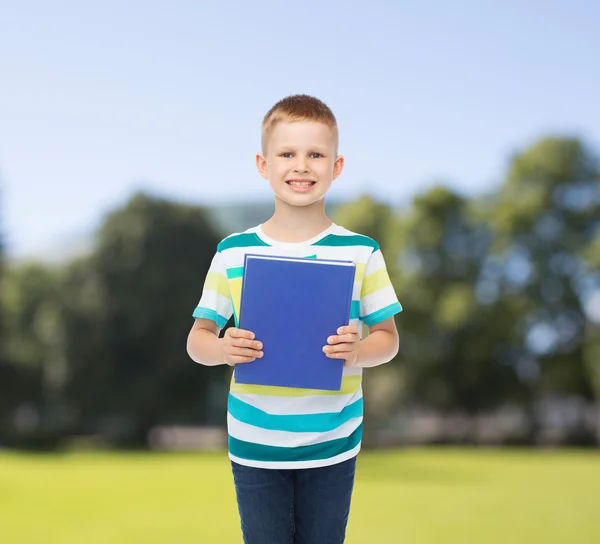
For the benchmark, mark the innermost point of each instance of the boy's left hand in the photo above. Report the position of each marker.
(345, 345)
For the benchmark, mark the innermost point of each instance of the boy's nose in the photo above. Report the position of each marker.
(300, 167)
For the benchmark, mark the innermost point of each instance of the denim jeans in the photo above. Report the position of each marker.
(286, 506)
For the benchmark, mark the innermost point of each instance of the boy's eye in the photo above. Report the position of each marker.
(288, 155)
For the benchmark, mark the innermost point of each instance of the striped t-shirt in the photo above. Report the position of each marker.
(282, 427)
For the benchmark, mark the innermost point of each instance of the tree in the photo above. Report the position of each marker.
(452, 328)
(547, 213)
(23, 291)
(30, 386)
(127, 315)
(546, 216)
(592, 311)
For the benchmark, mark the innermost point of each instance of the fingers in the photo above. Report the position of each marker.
(240, 333)
(243, 339)
(339, 355)
(245, 352)
(341, 339)
(348, 329)
(245, 343)
(339, 348)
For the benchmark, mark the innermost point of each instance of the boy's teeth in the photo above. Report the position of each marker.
(300, 183)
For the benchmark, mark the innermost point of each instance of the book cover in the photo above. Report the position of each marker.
(293, 305)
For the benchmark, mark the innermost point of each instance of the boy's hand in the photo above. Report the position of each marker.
(239, 346)
(345, 345)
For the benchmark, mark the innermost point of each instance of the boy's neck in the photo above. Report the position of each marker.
(292, 224)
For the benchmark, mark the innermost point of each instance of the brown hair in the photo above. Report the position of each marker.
(298, 107)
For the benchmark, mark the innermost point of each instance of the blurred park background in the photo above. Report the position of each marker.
(472, 142)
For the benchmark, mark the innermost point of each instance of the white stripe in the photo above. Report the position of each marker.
(286, 439)
(375, 263)
(217, 264)
(353, 370)
(298, 464)
(378, 300)
(358, 254)
(214, 301)
(312, 404)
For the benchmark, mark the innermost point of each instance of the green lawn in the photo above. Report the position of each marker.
(412, 496)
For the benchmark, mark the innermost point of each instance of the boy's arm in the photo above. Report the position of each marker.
(379, 347)
(204, 344)
(205, 347)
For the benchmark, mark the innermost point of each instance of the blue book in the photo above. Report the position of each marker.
(293, 305)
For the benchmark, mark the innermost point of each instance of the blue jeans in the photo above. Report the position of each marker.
(286, 506)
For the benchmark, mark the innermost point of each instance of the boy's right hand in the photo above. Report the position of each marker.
(239, 346)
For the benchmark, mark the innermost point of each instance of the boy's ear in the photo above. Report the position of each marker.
(338, 166)
(261, 166)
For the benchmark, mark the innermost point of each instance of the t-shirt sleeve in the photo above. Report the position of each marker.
(378, 300)
(215, 303)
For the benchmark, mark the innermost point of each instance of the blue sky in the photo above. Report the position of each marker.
(99, 99)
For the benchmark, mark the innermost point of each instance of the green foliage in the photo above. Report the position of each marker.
(31, 304)
(128, 315)
(449, 337)
(31, 312)
(544, 222)
(497, 294)
(485, 282)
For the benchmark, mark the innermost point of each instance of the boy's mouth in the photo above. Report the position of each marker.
(300, 185)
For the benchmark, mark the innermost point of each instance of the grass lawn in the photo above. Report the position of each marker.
(411, 496)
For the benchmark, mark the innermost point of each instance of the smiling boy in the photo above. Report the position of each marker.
(293, 451)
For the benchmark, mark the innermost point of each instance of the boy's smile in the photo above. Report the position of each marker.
(300, 185)
(300, 161)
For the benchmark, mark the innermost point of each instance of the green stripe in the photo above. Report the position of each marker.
(355, 309)
(247, 239)
(233, 273)
(383, 314)
(296, 423)
(206, 313)
(354, 240)
(324, 450)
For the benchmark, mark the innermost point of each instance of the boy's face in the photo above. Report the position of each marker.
(300, 161)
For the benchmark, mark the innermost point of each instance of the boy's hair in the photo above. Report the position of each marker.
(298, 107)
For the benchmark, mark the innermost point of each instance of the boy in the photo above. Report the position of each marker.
(293, 451)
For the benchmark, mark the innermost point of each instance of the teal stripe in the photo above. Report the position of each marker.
(383, 314)
(324, 450)
(247, 239)
(297, 423)
(233, 273)
(354, 240)
(207, 313)
(238, 271)
(355, 309)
